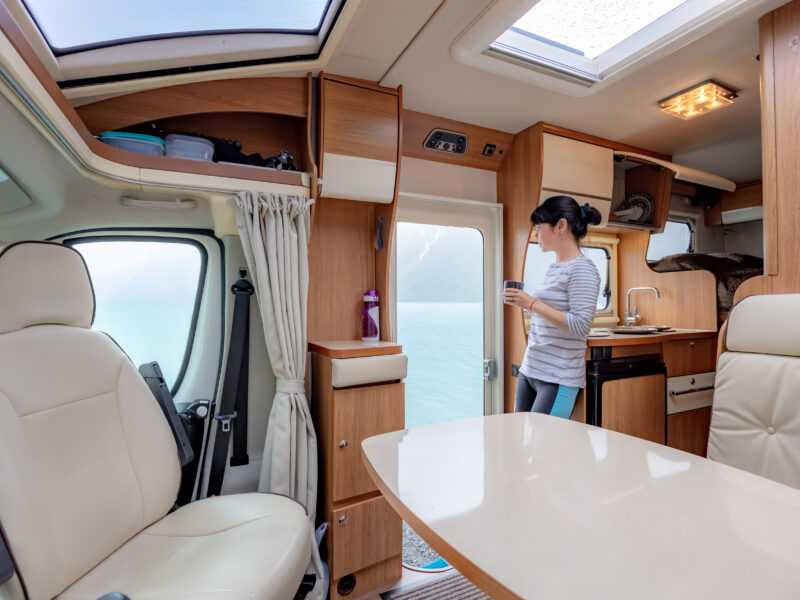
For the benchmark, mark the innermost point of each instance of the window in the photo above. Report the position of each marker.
(601, 248)
(677, 238)
(588, 40)
(147, 294)
(76, 26)
(537, 263)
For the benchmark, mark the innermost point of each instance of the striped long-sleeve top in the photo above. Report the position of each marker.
(555, 355)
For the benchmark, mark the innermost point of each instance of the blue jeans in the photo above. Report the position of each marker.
(535, 395)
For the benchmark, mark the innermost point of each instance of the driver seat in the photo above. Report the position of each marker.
(89, 468)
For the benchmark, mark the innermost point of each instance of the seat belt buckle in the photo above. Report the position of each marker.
(226, 420)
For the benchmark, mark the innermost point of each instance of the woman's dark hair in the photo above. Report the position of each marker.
(578, 218)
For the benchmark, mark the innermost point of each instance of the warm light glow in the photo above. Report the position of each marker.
(702, 98)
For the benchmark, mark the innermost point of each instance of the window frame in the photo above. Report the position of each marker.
(689, 222)
(609, 243)
(59, 51)
(201, 281)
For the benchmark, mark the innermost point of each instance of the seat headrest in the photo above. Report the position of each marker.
(765, 325)
(44, 283)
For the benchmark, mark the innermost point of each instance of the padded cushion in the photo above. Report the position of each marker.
(765, 325)
(230, 547)
(86, 456)
(346, 372)
(44, 283)
(755, 423)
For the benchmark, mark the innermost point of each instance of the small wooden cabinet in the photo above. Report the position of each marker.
(636, 406)
(364, 539)
(688, 430)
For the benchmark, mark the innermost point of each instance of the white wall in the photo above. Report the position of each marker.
(745, 238)
(432, 178)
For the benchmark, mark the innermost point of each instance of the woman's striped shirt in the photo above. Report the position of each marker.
(555, 355)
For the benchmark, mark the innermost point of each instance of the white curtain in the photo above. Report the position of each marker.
(274, 230)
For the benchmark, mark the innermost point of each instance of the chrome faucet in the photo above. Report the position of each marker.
(632, 319)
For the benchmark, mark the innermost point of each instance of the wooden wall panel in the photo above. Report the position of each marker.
(780, 154)
(341, 267)
(417, 126)
(688, 298)
(519, 180)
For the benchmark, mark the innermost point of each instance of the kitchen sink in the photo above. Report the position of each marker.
(641, 329)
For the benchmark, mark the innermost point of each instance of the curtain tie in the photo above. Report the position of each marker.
(291, 386)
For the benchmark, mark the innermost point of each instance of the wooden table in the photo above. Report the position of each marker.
(532, 506)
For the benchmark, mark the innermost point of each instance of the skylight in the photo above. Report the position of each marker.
(590, 27)
(71, 26)
(588, 40)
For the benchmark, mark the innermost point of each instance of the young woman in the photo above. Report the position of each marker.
(562, 310)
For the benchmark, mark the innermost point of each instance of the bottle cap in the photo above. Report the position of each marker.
(371, 296)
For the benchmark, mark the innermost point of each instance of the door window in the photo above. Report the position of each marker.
(147, 294)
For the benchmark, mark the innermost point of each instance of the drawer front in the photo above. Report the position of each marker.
(688, 431)
(684, 357)
(690, 392)
(362, 534)
(359, 413)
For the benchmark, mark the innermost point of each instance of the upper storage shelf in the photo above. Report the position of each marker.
(266, 115)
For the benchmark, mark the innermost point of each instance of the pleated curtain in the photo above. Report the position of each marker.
(274, 230)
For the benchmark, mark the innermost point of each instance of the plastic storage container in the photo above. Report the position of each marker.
(188, 146)
(134, 142)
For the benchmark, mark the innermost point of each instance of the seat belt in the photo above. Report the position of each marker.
(6, 564)
(233, 404)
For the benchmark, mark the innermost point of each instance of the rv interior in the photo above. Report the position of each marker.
(253, 341)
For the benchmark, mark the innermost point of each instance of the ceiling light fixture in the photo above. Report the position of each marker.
(697, 100)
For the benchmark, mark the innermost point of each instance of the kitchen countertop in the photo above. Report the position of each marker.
(624, 339)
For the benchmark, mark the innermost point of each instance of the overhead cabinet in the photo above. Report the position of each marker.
(360, 136)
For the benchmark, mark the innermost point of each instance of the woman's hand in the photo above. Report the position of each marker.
(517, 297)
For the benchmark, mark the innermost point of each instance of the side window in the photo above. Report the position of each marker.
(537, 262)
(147, 292)
(677, 238)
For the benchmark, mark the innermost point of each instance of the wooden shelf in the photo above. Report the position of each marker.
(266, 115)
(354, 348)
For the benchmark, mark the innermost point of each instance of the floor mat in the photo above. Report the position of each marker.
(452, 587)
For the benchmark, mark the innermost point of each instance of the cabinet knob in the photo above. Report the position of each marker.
(342, 521)
(693, 343)
(342, 444)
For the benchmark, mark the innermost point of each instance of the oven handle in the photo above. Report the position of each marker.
(692, 391)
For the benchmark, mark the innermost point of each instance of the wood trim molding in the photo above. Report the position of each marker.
(369, 85)
(598, 141)
(418, 126)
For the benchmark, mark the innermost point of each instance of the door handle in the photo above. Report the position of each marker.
(489, 369)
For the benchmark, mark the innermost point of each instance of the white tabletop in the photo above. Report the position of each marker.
(532, 506)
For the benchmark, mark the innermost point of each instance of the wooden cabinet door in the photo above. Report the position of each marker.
(359, 413)
(688, 431)
(636, 406)
(684, 357)
(362, 534)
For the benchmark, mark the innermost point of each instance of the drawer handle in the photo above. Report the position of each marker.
(342, 444)
(691, 391)
(342, 521)
(693, 343)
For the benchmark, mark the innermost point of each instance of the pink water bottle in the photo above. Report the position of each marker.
(370, 331)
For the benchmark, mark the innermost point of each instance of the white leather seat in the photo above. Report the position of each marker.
(755, 421)
(89, 467)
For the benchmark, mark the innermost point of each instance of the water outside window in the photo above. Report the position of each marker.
(440, 326)
(145, 294)
(440, 321)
